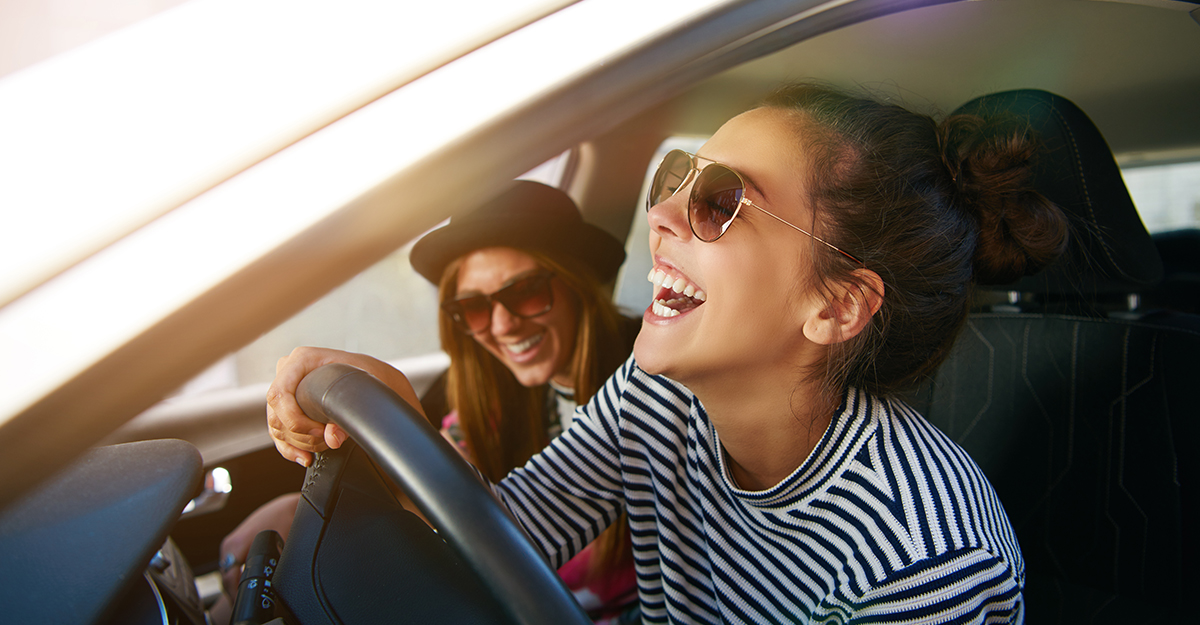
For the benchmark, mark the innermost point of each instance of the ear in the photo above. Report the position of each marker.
(848, 310)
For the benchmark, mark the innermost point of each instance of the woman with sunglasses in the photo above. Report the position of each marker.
(813, 259)
(529, 327)
(531, 330)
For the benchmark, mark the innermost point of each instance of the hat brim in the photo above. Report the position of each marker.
(573, 241)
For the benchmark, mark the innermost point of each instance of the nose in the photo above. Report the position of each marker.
(503, 322)
(669, 217)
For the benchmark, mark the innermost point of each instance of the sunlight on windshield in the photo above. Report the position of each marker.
(71, 323)
(181, 101)
(388, 311)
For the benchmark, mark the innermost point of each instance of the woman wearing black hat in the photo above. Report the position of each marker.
(555, 328)
(518, 369)
(530, 330)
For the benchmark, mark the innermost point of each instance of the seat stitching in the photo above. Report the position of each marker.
(990, 382)
(1087, 197)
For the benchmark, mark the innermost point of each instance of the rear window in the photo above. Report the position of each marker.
(1167, 196)
(388, 311)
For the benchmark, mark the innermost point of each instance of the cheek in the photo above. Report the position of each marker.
(485, 341)
(565, 330)
(761, 299)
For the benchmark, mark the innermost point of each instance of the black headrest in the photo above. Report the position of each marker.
(1110, 250)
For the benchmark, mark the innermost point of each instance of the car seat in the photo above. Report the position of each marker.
(1179, 290)
(1075, 403)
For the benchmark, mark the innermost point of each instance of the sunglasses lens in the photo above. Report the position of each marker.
(527, 298)
(671, 174)
(472, 313)
(714, 202)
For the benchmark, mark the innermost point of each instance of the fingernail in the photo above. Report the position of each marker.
(227, 562)
(301, 461)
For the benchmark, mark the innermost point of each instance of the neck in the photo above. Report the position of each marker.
(767, 426)
(564, 379)
(564, 390)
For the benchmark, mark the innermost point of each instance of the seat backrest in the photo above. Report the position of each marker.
(1078, 415)
(1179, 290)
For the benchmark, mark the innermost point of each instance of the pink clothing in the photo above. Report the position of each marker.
(606, 596)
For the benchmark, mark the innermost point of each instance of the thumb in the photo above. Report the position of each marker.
(334, 436)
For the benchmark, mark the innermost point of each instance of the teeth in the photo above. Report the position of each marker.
(663, 311)
(524, 346)
(678, 285)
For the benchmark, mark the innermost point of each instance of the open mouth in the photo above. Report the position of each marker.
(521, 347)
(675, 294)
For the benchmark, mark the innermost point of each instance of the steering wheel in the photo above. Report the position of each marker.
(491, 547)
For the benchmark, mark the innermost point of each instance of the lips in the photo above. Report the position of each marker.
(676, 295)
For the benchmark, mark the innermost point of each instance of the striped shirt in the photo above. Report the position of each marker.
(886, 521)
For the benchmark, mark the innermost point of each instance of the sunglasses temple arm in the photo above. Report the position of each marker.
(798, 228)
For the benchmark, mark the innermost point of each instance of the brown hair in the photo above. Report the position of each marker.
(930, 207)
(501, 420)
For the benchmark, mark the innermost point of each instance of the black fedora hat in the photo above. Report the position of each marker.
(527, 215)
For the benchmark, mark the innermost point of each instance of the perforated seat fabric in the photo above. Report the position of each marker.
(1085, 425)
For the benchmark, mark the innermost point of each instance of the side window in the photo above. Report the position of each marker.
(633, 292)
(1167, 196)
(388, 311)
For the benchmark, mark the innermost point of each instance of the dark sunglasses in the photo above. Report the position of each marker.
(718, 194)
(524, 298)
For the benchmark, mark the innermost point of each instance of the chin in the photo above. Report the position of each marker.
(648, 354)
(531, 377)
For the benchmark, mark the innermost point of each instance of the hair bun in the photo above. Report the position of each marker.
(991, 164)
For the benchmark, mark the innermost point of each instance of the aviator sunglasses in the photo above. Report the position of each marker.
(524, 298)
(718, 194)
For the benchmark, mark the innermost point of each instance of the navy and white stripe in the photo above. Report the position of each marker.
(886, 521)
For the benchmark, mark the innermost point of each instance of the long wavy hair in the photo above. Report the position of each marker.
(502, 422)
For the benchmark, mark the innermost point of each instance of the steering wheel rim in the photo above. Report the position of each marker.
(445, 487)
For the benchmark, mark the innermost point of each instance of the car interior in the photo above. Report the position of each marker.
(1068, 388)
(1068, 397)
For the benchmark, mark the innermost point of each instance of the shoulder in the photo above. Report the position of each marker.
(923, 449)
(930, 515)
(943, 491)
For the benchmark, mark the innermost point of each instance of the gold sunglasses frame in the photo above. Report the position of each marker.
(694, 173)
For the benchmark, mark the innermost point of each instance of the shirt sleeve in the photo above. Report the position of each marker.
(567, 494)
(963, 586)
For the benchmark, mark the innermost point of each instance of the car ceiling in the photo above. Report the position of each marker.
(1131, 65)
